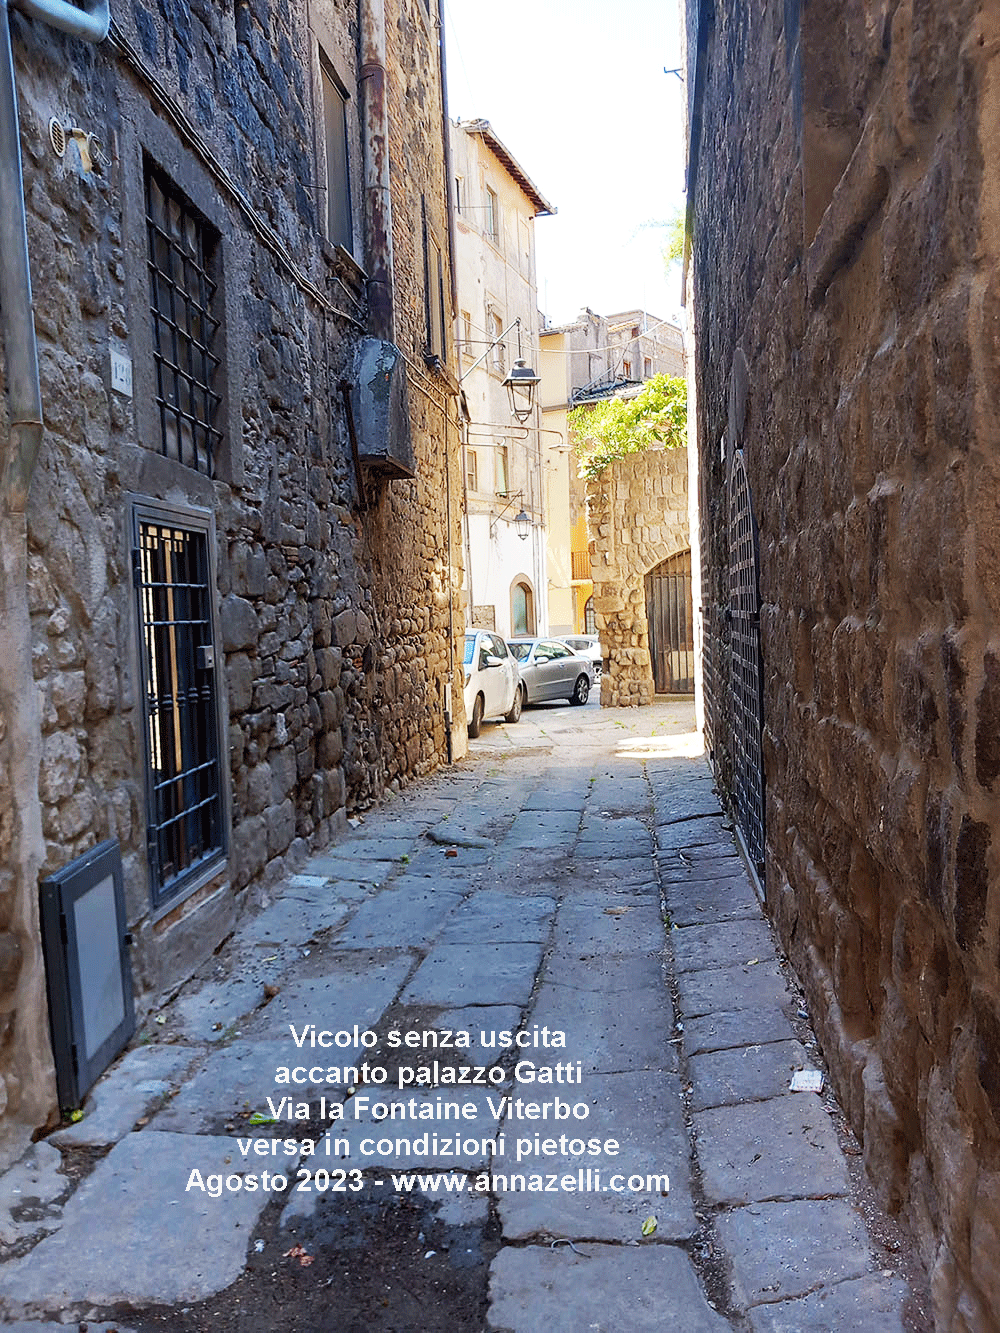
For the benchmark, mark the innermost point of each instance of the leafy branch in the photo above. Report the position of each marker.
(614, 427)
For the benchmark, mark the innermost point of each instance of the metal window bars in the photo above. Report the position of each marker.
(184, 798)
(745, 664)
(185, 329)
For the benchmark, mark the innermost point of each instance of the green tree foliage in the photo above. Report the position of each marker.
(614, 427)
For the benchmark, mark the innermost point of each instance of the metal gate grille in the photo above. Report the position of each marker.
(671, 633)
(184, 800)
(744, 640)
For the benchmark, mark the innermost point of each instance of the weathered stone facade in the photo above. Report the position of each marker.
(335, 615)
(845, 229)
(637, 516)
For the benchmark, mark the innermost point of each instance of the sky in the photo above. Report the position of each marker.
(576, 90)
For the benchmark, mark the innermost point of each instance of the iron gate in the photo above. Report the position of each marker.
(745, 664)
(671, 632)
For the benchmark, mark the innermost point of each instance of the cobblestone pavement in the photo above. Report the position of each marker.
(573, 881)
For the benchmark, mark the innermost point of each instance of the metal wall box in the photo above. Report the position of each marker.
(87, 966)
(382, 410)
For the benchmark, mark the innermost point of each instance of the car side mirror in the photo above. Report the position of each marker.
(492, 661)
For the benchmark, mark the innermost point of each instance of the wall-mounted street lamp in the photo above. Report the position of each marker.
(522, 523)
(520, 385)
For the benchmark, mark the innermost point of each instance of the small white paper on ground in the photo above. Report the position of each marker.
(807, 1080)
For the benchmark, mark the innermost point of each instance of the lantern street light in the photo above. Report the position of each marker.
(523, 525)
(520, 385)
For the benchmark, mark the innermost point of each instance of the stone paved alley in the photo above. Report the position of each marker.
(574, 875)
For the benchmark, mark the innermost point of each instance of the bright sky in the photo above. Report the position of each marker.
(577, 92)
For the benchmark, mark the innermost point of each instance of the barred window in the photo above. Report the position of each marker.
(183, 758)
(182, 251)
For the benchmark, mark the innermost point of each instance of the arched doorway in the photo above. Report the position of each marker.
(671, 629)
(589, 617)
(522, 609)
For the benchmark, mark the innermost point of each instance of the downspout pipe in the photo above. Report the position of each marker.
(16, 314)
(378, 200)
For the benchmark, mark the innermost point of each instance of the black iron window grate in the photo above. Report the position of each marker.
(184, 801)
(744, 639)
(185, 330)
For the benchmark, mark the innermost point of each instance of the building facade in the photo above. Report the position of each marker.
(231, 592)
(842, 161)
(590, 359)
(497, 323)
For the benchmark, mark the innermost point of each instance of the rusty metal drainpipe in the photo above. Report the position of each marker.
(24, 393)
(378, 201)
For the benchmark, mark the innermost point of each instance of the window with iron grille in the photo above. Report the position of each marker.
(184, 823)
(182, 251)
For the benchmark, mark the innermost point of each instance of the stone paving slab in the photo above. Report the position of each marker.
(676, 868)
(626, 975)
(434, 861)
(499, 918)
(614, 837)
(234, 1081)
(643, 1113)
(608, 923)
(557, 797)
(778, 1250)
(603, 1289)
(156, 1243)
(619, 796)
(871, 1304)
(30, 1326)
(140, 1080)
(616, 873)
(782, 1148)
(355, 987)
(459, 974)
(295, 920)
(706, 833)
(543, 829)
(35, 1181)
(338, 867)
(749, 1073)
(735, 1029)
(481, 1021)
(742, 987)
(722, 944)
(602, 1032)
(696, 903)
(210, 1012)
(400, 917)
(429, 1121)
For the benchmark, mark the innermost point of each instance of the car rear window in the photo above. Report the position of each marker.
(470, 647)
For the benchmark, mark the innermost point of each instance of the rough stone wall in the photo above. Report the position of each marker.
(637, 516)
(336, 630)
(847, 170)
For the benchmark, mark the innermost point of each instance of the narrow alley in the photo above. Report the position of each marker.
(635, 1159)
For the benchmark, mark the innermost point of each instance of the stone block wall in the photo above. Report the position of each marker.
(844, 163)
(637, 516)
(336, 622)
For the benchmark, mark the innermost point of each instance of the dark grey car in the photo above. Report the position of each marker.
(550, 670)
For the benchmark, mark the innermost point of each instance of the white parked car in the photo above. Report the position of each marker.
(550, 670)
(587, 645)
(492, 680)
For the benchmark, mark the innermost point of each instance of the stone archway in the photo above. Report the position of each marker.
(671, 624)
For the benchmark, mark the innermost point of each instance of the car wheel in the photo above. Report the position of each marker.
(582, 692)
(476, 720)
(515, 709)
